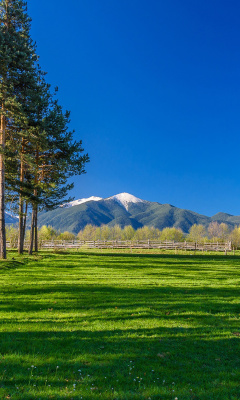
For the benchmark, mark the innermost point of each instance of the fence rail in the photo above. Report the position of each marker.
(128, 244)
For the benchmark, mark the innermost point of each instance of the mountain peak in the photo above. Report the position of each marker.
(80, 201)
(221, 216)
(124, 199)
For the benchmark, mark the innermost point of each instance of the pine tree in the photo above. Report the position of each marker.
(37, 151)
(33, 139)
(59, 159)
(17, 63)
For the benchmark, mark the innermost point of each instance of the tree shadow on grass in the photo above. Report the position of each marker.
(209, 367)
(186, 335)
(10, 264)
(76, 297)
(138, 261)
(189, 256)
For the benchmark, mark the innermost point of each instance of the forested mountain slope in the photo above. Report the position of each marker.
(123, 210)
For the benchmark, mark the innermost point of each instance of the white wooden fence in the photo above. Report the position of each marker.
(128, 244)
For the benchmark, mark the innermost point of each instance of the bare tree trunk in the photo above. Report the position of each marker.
(30, 250)
(25, 220)
(20, 230)
(2, 189)
(36, 205)
(33, 232)
(20, 226)
(36, 230)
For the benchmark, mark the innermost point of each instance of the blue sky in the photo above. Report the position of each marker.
(153, 87)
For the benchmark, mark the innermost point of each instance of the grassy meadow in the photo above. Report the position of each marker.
(84, 325)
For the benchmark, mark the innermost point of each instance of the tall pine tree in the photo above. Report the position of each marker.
(17, 63)
(37, 151)
(60, 159)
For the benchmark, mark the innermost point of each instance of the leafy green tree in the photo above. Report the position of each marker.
(197, 233)
(12, 235)
(174, 234)
(105, 232)
(97, 235)
(66, 236)
(146, 233)
(142, 233)
(234, 236)
(154, 233)
(116, 232)
(48, 233)
(88, 233)
(128, 233)
(224, 231)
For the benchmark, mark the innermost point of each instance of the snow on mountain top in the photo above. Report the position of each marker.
(122, 198)
(11, 215)
(80, 201)
(125, 198)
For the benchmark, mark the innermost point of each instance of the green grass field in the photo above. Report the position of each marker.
(120, 326)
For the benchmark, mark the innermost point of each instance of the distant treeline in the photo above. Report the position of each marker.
(198, 233)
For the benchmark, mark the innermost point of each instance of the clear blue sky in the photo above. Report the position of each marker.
(153, 87)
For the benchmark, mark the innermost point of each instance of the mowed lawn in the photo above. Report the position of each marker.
(120, 326)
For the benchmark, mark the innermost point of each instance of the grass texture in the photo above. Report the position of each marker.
(120, 326)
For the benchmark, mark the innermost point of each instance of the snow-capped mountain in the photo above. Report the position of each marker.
(11, 218)
(124, 209)
(122, 198)
(81, 201)
(125, 199)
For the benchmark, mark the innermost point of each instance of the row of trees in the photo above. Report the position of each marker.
(198, 233)
(37, 151)
(45, 233)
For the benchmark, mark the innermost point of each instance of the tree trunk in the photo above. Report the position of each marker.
(2, 189)
(3, 252)
(36, 230)
(21, 203)
(30, 250)
(25, 220)
(36, 205)
(20, 226)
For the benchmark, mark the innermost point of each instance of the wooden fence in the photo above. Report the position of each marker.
(128, 244)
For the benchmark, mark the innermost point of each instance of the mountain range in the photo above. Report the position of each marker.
(125, 209)
(10, 219)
